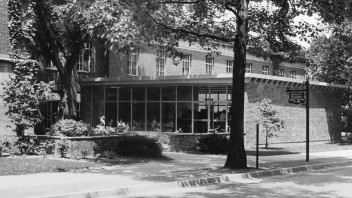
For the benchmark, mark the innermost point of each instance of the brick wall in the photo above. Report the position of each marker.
(147, 64)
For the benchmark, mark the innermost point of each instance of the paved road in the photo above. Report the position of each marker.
(334, 183)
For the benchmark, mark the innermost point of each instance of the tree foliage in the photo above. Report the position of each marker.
(330, 60)
(269, 119)
(48, 34)
(263, 27)
(23, 93)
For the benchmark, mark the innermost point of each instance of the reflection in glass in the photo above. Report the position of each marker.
(184, 93)
(218, 93)
(200, 117)
(111, 94)
(184, 117)
(168, 117)
(168, 93)
(138, 93)
(110, 114)
(153, 116)
(219, 116)
(153, 93)
(229, 93)
(138, 116)
(124, 93)
(200, 93)
(125, 112)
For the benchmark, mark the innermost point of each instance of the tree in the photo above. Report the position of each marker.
(127, 24)
(50, 36)
(23, 93)
(269, 120)
(330, 61)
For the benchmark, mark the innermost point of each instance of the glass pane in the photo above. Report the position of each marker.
(168, 93)
(201, 93)
(218, 116)
(138, 93)
(218, 93)
(168, 117)
(111, 94)
(111, 114)
(125, 112)
(124, 93)
(229, 93)
(184, 117)
(184, 93)
(153, 116)
(153, 94)
(139, 116)
(97, 104)
(200, 118)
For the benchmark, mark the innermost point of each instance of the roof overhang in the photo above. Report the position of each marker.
(216, 79)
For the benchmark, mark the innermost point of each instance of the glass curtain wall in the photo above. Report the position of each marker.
(188, 109)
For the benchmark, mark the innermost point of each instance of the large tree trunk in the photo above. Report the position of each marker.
(236, 157)
(69, 104)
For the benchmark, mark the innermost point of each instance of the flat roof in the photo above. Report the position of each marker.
(215, 79)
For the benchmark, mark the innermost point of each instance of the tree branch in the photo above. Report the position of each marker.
(184, 31)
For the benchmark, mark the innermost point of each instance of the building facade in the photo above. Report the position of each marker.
(147, 91)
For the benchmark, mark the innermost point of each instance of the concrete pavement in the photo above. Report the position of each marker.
(179, 170)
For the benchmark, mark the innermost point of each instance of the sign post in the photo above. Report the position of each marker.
(297, 97)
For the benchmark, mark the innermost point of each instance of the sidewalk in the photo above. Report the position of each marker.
(182, 170)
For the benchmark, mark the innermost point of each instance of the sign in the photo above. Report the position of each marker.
(296, 97)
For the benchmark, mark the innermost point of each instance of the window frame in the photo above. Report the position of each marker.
(160, 62)
(84, 65)
(209, 66)
(250, 69)
(293, 74)
(282, 72)
(185, 66)
(229, 66)
(132, 63)
(265, 69)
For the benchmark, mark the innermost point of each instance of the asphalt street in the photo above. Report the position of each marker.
(328, 183)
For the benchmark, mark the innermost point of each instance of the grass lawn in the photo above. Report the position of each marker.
(17, 165)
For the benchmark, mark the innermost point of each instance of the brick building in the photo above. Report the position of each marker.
(152, 95)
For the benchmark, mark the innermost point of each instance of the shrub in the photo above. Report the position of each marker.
(137, 146)
(5, 145)
(62, 147)
(70, 128)
(213, 144)
(27, 145)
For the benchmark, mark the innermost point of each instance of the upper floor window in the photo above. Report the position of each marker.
(209, 65)
(132, 64)
(229, 66)
(186, 64)
(248, 68)
(85, 60)
(265, 70)
(282, 72)
(293, 74)
(160, 62)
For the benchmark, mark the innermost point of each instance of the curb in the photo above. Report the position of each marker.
(224, 178)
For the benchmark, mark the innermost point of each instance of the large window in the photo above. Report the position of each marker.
(229, 66)
(132, 64)
(209, 65)
(293, 74)
(248, 68)
(160, 62)
(85, 60)
(265, 70)
(186, 64)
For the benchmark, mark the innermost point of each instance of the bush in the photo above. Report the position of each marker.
(27, 145)
(70, 128)
(213, 144)
(62, 148)
(137, 146)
